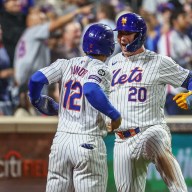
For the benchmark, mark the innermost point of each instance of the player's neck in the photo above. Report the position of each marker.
(99, 57)
(140, 50)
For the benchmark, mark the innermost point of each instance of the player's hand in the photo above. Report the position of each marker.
(46, 105)
(109, 128)
(84, 10)
(184, 100)
(115, 124)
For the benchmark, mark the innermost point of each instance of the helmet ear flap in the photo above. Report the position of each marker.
(136, 44)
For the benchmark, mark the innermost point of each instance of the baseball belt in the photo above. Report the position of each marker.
(128, 133)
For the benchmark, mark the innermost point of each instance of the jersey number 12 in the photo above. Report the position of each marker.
(73, 93)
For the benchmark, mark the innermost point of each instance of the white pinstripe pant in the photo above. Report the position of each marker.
(74, 168)
(133, 155)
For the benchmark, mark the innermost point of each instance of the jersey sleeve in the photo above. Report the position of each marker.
(55, 71)
(172, 73)
(40, 31)
(99, 74)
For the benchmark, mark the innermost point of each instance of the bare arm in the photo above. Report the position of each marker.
(60, 21)
(5, 73)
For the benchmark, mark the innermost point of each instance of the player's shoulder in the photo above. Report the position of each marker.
(116, 57)
(166, 59)
(151, 54)
(77, 59)
(62, 61)
(158, 57)
(99, 67)
(97, 64)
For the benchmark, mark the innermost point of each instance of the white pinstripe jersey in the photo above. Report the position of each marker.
(138, 87)
(76, 115)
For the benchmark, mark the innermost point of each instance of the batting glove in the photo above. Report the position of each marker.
(46, 105)
(184, 100)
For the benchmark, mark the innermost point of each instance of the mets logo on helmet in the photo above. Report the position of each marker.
(124, 20)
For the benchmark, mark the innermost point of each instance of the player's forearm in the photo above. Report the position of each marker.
(99, 101)
(5, 73)
(59, 22)
(36, 83)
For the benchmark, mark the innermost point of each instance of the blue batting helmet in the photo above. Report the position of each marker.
(132, 22)
(99, 40)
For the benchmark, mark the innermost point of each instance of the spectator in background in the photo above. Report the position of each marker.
(24, 109)
(55, 38)
(5, 73)
(188, 10)
(103, 13)
(165, 10)
(55, 44)
(67, 6)
(26, 5)
(176, 44)
(153, 33)
(151, 5)
(71, 39)
(32, 51)
(12, 21)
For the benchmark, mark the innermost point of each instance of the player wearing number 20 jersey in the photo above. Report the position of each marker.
(138, 92)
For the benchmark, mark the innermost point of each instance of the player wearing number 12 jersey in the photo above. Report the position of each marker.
(77, 161)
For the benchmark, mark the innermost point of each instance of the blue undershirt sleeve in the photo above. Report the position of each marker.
(188, 82)
(36, 83)
(99, 101)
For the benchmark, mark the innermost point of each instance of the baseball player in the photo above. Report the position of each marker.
(138, 92)
(77, 161)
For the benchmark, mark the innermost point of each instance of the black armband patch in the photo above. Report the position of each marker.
(101, 72)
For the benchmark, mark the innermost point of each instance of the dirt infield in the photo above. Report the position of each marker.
(22, 185)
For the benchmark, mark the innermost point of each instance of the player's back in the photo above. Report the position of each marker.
(76, 115)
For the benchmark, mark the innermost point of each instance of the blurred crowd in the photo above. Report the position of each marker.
(35, 33)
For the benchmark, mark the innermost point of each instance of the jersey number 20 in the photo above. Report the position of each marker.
(137, 94)
(73, 92)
